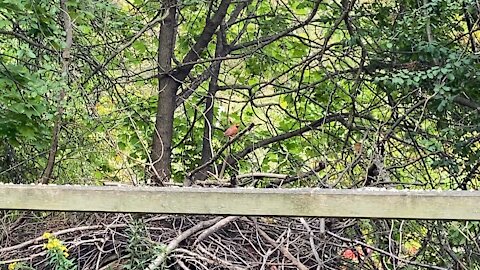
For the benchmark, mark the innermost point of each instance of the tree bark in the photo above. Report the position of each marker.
(209, 106)
(169, 83)
(167, 87)
(67, 25)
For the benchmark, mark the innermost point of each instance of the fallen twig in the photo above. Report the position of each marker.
(215, 228)
(282, 249)
(160, 259)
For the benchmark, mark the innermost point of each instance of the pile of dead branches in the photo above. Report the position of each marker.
(124, 241)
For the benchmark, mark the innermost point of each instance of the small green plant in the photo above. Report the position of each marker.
(141, 248)
(57, 253)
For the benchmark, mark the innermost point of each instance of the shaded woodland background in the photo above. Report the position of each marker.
(331, 94)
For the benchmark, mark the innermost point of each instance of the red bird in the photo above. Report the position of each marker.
(231, 131)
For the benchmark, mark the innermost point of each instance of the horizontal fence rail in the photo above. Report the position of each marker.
(358, 203)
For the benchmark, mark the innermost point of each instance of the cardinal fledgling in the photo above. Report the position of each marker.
(231, 131)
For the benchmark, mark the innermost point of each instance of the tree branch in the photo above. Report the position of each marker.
(205, 37)
(282, 249)
(324, 120)
(67, 25)
(24, 38)
(126, 45)
(160, 259)
(466, 102)
(188, 179)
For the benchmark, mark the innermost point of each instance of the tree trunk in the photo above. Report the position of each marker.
(169, 82)
(163, 133)
(67, 25)
(209, 109)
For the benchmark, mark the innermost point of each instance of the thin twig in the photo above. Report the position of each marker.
(282, 249)
(312, 242)
(384, 252)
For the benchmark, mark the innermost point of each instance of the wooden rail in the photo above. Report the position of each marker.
(364, 203)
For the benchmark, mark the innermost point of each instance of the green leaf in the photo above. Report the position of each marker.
(397, 80)
(27, 132)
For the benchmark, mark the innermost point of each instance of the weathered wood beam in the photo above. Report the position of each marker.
(365, 203)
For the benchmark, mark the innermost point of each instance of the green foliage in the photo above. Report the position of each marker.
(57, 253)
(395, 69)
(57, 256)
(140, 248)
(24, 108)
(114, 111)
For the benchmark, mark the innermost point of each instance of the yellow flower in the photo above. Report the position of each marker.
(49, 245)
(47, 235)
(65, 254)
(56, 243)
(12, 266)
